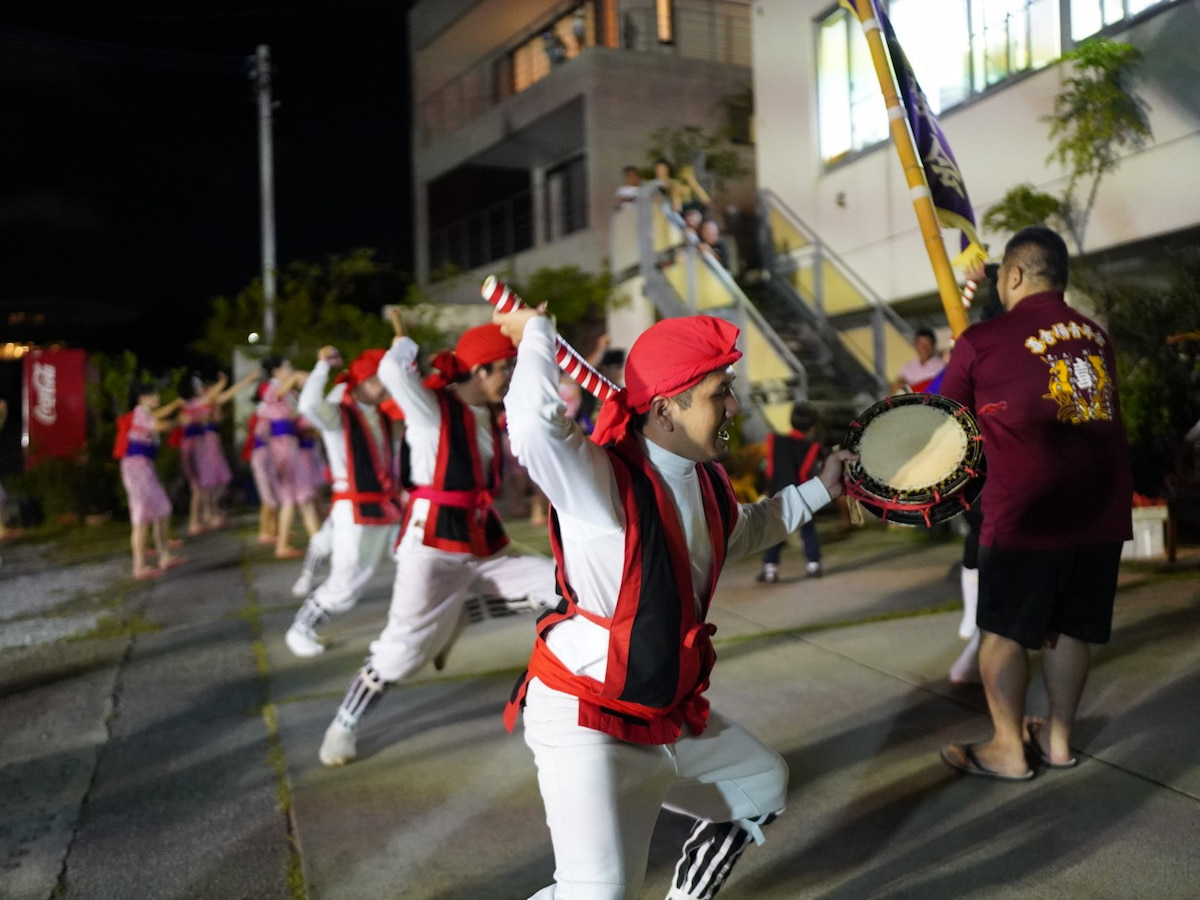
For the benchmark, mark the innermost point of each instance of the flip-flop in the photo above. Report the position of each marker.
(148, 574)
(975, 767)
(1035, 750)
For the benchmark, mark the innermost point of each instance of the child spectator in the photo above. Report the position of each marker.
(793, 459)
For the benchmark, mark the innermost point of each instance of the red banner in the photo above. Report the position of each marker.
(55, 408)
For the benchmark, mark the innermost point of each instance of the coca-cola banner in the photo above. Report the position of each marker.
(54, 404)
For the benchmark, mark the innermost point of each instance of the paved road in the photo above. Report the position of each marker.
(159, 741)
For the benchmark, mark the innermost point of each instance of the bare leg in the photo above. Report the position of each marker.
(308, 514)
(287, 512)
(212, 507)
(137, 543)
(159, 530)
(1065, 668)
(1004, 665)
(195, 511)
(267, 522)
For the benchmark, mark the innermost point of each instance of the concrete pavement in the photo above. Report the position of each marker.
(173, 752)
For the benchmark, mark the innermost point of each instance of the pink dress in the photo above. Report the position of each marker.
(284, 448)
(202, 456)
(148, 502)
(312, 459)
(261, 466)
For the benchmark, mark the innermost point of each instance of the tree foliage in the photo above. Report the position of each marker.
(1159, 398)
(1097, 115)
(577, 299)
(1022, 206)
(690, 145)
(338, 301)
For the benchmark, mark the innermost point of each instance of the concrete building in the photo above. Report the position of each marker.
(990, 69)
(527, 110)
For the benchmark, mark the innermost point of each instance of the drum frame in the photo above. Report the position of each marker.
(922, 506)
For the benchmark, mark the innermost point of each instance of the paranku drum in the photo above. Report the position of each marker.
(920, 459)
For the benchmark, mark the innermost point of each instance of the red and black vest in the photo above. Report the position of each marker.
(660, 651)
(461, 518)
(369, 483)
(791, 459)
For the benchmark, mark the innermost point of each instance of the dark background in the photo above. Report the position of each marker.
(129, 184)
(129, 188)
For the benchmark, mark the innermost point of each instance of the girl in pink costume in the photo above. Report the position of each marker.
(293, 489)
(201, 453)
(149, 506)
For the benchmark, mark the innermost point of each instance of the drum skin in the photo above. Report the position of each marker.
(920, 462)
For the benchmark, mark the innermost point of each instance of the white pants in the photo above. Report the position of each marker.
(321, 543)
(430, 590)
(356, 551)
(602, 795)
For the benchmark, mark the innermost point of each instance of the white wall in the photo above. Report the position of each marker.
(998, 140)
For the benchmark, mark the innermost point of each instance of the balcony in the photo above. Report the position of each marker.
(710, 30)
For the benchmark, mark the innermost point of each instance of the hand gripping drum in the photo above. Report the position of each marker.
(920, 459)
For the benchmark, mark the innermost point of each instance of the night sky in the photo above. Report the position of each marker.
(129, 155)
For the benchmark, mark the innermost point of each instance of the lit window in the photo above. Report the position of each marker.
(1012, 36)
(1091, 16)
(957, 48)
(937, 42)
(665, 21)
(851, 108)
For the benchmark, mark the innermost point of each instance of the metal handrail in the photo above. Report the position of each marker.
(768, 200)
(739, 301)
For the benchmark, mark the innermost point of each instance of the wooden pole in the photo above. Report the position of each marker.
(914, 175)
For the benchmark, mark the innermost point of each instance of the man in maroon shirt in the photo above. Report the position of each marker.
(1041, 380)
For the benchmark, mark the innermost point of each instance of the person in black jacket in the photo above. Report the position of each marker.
(792, 459)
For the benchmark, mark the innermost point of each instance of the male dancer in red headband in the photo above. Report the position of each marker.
(453, 545)
(642, 521)
(366, 507)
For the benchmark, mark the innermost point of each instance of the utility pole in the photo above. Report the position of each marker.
(266, 177)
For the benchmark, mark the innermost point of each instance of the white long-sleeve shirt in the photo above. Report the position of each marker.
(423, 417)
(322, 410)
(576, 476)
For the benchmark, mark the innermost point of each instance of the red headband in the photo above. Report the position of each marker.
(366, 365)
(669, 357)
(477, 347)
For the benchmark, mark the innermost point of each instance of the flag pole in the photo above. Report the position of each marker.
(914, 174)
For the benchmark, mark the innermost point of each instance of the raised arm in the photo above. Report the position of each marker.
(168, 409)
(295, 380)
(313, 404)
(399, 373)
(227, 394)
(573, 472)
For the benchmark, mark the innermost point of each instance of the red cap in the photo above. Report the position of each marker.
(669, 357)
(478, 346)
(366, 365)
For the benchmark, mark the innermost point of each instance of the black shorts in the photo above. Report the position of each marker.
(1025, 595)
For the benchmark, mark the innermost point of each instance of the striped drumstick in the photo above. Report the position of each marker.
(569, 359)
(968, 293)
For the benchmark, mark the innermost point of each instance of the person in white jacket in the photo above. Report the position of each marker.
(643, 518)
(453, 546)
(366, 508)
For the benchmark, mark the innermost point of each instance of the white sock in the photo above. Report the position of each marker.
(970, 597)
